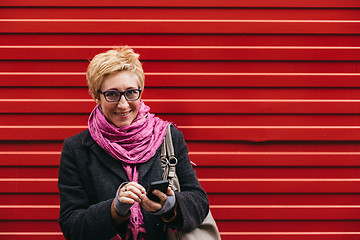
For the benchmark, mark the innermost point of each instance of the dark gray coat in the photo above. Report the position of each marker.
(89, 178)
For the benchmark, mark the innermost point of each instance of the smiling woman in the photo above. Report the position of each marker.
(104, 170)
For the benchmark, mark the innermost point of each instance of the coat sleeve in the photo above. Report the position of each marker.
(192, 200)
(79, 219)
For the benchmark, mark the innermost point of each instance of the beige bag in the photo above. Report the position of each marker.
(208, 229)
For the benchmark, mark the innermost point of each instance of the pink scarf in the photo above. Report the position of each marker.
(132, 144)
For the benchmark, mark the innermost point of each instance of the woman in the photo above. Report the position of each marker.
(104, 170)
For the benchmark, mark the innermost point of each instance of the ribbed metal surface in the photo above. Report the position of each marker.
(265, 92)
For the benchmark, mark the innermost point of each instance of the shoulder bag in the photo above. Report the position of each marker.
(208, 229)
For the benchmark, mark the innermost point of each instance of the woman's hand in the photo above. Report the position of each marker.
(126, 195)
(152, 206)
(131, 193)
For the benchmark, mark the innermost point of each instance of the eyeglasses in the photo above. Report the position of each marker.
(115, 95)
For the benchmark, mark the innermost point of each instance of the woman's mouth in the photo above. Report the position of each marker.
(125, 114)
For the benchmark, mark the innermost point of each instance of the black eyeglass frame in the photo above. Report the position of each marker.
(121, 93)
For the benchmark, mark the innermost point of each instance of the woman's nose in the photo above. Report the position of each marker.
(122, 102)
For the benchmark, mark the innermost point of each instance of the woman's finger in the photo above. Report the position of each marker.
(152, 206)
(129, 195)
(170, 192)
(131, 192)
(126, 200)
(160, 195)
(145, 205)
(133, 186)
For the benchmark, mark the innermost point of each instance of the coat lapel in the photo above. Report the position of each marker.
(112, 164)
(115, 165)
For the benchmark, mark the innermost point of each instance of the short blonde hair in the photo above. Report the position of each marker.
(112, 61)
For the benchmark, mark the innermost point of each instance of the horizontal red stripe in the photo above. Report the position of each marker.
(271, 199)
(219, 146)
(186, 53)
(225, 236)
(29, 79)
(31, 226)
(254, 106)
(28, 158)
(30, 185)
(178, 26)
(214, 199)
(280, 185)
(186, 3)
(206, 159)
(206, 13)
(212, 172)
(32, 235)
(29, 172)
(289, 235)
(30, 199)
(242, 227)
(192, 94)
(195, 120)
(249, 172)
(270, 133)
(226, 67)
(190, 106)
(275, 159)
(50, 212)
(244, 133)
(285, 212)
(182, 40)
(14, 212)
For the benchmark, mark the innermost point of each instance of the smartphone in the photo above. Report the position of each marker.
(159, 185)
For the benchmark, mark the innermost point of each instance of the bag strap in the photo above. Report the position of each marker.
(169, 161)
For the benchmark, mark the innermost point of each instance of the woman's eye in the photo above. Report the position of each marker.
(112, 94)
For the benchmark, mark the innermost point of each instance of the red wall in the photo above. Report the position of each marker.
(266, 93)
